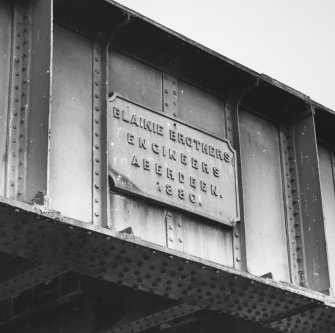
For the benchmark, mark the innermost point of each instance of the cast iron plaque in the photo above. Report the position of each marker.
(154, 156)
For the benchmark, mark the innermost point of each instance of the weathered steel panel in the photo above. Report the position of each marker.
(198, 234)
(6, 13)
(266, 243)
(135, 81)
(326, 166)
(146, 221)
(70, 169)
(201, 109)
(38, 132)
(159, 158)
(316, 273)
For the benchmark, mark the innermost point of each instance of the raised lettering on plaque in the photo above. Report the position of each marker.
(159, 158)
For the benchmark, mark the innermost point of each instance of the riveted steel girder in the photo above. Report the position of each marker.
(123, 259)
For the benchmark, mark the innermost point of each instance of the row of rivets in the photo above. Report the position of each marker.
(174, 234)
(292, 206)
(19, 103)
(97, 99)
(170, 95)
(316, 320)
(142, 268)
(27, 280)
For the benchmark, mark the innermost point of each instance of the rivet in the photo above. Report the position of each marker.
(97, 186)
(96, 214)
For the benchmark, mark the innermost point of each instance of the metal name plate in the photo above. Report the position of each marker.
(156, 157)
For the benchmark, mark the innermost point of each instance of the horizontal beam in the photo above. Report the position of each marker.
(27, 280)
(157, 318)
(126, 260)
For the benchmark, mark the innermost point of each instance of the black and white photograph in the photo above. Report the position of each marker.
(167, 166)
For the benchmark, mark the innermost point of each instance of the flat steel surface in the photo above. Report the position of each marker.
(157, 157)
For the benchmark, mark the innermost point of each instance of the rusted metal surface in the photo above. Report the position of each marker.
(128, 261)
(164, 160)
(266, 243)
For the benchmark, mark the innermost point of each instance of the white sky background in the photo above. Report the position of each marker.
(292, 41)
